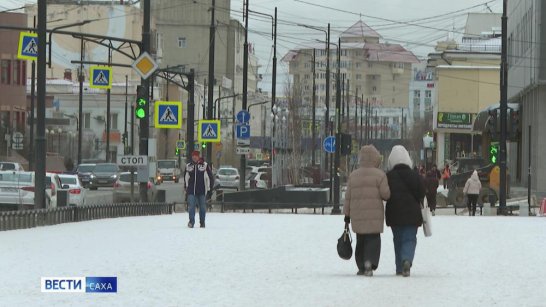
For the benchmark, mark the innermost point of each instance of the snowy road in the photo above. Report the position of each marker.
(274, 260)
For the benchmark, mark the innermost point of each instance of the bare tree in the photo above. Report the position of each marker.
(295, 133)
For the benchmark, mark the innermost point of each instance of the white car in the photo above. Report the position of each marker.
(259, 181)
(17, 189)
(76, 191)
(227, 177)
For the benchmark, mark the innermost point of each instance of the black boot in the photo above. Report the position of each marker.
(406, 266)
(190, 225)
(202, 225)
(368, 271)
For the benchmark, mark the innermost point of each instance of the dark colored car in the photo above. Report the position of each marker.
(104, 175)
(84, 172)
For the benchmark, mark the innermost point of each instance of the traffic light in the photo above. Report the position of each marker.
(177, 152)
(494, 153)
(346, 144)
(204, 145)
(141, 109)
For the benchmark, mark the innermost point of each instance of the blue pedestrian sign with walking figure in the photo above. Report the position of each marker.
(329, 144)
(168, 114)
(209, 131)
(28, 46)
(101, 77)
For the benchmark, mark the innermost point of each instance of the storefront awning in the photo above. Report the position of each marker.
(480, 122)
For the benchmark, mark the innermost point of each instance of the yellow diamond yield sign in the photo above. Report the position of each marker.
(145, 65)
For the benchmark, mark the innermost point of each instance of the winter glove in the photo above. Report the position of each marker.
(347, 219)
(209, 194)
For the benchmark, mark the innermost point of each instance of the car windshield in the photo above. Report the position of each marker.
(227, 172)
(85, 168)
(105, 168)
(16, 177)
(68, 180)
(166, 164)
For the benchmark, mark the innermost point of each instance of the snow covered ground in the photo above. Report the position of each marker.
(274, 260)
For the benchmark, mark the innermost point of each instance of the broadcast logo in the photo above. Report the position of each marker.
(79, 284)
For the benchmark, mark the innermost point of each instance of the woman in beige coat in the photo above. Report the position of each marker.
(367, 188)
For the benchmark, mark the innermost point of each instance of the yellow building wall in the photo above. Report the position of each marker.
(467, 90)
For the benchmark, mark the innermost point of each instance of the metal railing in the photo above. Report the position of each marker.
(11, 220)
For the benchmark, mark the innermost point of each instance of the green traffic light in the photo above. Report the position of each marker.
(140, 113)
(204, 145)
(141, 102)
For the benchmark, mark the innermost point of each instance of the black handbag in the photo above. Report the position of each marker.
(344, 244)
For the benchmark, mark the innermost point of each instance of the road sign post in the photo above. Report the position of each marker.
(168, 114)
(101, 77)
(28, 46)
(329, 144)
(209, 131)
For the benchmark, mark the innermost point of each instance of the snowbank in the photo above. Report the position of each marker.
(274, 260)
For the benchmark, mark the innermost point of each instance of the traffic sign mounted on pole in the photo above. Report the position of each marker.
(243, 131)
(168, 114)
(28, 46)
(181, 144)
(101, 77)
(329, 144)
(209, 131)
(145, 65)
(243, 117)
(133, 160)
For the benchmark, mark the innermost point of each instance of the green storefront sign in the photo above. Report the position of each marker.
(454, 120)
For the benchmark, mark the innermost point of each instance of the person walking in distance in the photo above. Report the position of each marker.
(403, 209)
(432, 181)
(198, 183)
(446, 175)
(367, 188)
(472, 190)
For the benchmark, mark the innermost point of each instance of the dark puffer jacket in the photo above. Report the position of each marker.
(198, 179)
(407, 192)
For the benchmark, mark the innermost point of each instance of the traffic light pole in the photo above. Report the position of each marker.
(40, 184)
(503, 105)
(337, 159)
(145, 122)
(210, 96)
(242, 169)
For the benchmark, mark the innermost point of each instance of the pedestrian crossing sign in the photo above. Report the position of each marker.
(168, 114)
(101, 77)
(209, 131)
(28, 46)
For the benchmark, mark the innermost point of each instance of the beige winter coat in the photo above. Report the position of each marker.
(367, 188)
(473, 185)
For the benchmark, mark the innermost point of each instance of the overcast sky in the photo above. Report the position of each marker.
(419, 39)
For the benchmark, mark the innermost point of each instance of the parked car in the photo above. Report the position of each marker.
(84, 172)
(11, 166)
(259, 181)
(228, 177)
(122, 189)
(104, 175)
(18, 188)
(76, 191)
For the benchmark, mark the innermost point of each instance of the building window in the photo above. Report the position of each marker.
(358, 76)
(87, 120)
(114, 121)
(307, 76)
(5, 72)
(16, 73)
(416, 94)
(370, 65)
(181, 42)
(374, 89)
(428, 94)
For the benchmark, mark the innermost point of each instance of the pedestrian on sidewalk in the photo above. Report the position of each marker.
(472, 190)
(446, 175)
(367, 188)
(432, 182)
(403, 210)
(198, 183)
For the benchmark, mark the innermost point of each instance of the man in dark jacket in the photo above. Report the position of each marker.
(403, 209)
(432, 182)
(198, 183)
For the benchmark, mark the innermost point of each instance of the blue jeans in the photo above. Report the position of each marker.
(405, 241)
(197, 200)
